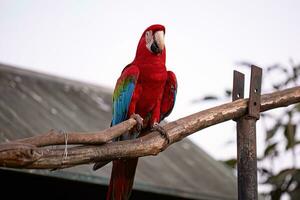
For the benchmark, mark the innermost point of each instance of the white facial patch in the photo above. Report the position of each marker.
(149, 39)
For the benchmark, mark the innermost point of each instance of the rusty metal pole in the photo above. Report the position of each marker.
(246, 134)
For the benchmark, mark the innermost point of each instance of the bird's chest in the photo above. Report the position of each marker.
(151, 86)
(153, 81)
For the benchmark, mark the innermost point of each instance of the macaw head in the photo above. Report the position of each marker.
(155, 38)
(152, 43)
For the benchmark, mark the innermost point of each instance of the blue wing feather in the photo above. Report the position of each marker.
(123, 93)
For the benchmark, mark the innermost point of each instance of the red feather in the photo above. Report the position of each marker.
(122, 177)
(169, 96)
(153, 99)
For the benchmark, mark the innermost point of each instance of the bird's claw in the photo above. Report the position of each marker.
(161, 130)
(139, 121)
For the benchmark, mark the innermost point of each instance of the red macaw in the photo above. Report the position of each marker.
(146, 91)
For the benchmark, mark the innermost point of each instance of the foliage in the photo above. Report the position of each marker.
(280, 134)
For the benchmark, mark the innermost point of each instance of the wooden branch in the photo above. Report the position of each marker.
(29, 156)
(54, 137)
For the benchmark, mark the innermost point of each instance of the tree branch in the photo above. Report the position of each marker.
(54, 137)
(24, 155)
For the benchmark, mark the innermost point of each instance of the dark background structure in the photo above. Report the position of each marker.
(32, 103)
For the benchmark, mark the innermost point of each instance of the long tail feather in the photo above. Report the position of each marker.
(98, 165)
(122, 178)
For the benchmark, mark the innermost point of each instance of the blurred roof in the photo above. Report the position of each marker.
(32, 103)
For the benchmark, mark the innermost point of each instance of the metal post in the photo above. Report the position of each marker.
(246, 134)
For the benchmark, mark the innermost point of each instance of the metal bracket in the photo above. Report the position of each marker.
(254, 93)
(238, 86)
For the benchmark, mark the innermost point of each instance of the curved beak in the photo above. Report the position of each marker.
(158, 44)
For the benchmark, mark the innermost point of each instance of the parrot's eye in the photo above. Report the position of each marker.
(148, 34)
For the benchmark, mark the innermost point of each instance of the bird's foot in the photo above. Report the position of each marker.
(139, 122)
(161, 130)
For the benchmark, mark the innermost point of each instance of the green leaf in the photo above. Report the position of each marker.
(282, 183)
(273, 130)
(289, 133)
(295, 194)
(265, 171)
(210, 97)
(270, 68)
(296, 176)
(297, 106)
(231, 162)
(296, 72)
(268, 116)
(276, 194)
(228, 93)
(279, 179)
(271, 149)
(276, 86)
(205, 98)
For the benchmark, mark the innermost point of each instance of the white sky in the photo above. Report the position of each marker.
(93, 40)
